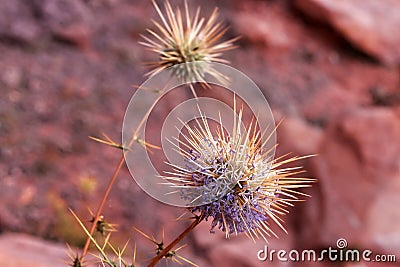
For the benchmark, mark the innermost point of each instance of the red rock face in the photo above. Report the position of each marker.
(355, 180)
(372, 26)
(328, 68)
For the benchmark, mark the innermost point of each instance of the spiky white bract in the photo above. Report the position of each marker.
(182, 38)
(231, 178)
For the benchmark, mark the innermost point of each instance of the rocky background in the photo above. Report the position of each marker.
(68, 69)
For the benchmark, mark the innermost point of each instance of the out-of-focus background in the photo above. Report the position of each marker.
(68, 68)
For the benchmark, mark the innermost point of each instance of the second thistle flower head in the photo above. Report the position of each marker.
(231, 178)
(181, 38)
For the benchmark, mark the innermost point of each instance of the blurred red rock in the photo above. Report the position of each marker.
(260, 25)
(296, 136)
(370, 25)
(357, 169)
(335, 103)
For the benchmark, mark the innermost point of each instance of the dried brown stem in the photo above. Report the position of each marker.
(112, 181)
(101, 206)
(178, 239)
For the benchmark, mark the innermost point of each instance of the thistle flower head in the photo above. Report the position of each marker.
(234, 179)
(180, 38)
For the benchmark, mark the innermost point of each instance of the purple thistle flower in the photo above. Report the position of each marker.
(231, 179)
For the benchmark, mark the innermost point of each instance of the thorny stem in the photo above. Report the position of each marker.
(171, 245)
(112, 181)
(101, 206)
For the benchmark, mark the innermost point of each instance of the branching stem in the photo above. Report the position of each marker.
(101, 206)
(171, 245)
